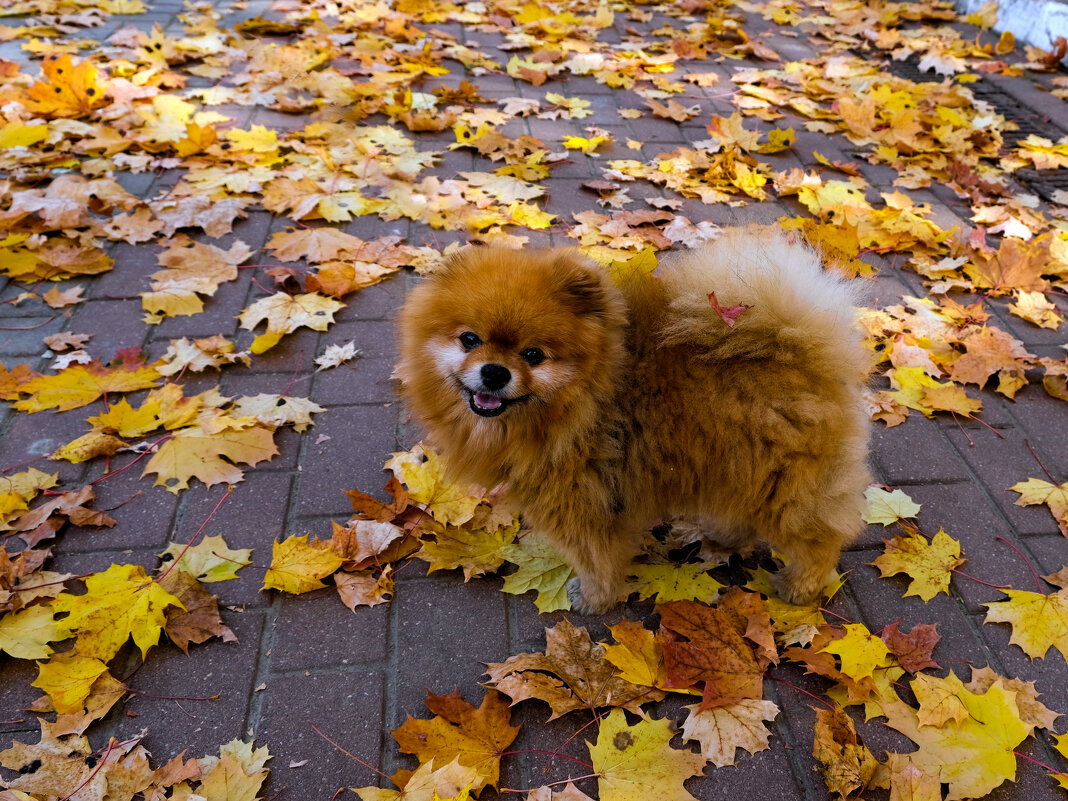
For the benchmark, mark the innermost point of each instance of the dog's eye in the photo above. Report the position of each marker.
(532, 356)
(470, 340)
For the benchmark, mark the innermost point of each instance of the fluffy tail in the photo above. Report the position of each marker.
(795, 310)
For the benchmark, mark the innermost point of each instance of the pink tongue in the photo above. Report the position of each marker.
(486, 401)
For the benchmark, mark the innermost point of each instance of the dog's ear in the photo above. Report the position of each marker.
(581, 285)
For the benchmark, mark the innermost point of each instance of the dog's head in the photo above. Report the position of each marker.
(504, 337)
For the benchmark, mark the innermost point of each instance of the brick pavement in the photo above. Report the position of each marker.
(303, 660)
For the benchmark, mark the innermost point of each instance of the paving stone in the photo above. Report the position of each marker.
(378, 302)
(343, 706)
(966, 515)
(360, 440)
(1000, 464)
(144, 519)
(1050, 674)
(302, 641)
(113, 325)
(429, 656)
(218, 668)
(915, 451)
(16, 695)
(366, 378)
(1045, 422)
(882, 602)
(26, 441)
(252, 516)
(24, 340)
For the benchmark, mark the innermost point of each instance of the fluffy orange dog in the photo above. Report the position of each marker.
(602, 407)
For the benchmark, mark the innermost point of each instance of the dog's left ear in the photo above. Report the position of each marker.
(581, 285)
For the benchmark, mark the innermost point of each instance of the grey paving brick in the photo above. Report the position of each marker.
(27, 441)
(177, 724)
(915, 451)
(145, 511)
(361, 438)
(967, 516)
(882, 602)
(113, 325)
(429, 655)
(344, 706)
(1000, 464)
(16, 695)
(365, 379)
(317, 631)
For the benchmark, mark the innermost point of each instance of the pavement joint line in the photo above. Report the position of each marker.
(339, 669)
(798, 769)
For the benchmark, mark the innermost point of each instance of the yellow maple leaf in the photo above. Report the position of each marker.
(973, 756)
(297, 566)
(671, 582)
(888, 506)
(917, 390)
(426, 783)
(476, 551)
(540, 568)
(845, 762)
(1035, 491)
(1039, 621)
(859, 650)
(636, 763)
(68, 679)
(71, 91)
(81, 384)
(278, 410)
(88, 446)
(286, 313)
(475, 736)
(1035, 308)
(15, 134)
(929, 564)
(209, 560)
(25, 634)
(126, 421)
(637, 655)
(237, 774)
(940, 700)
(449, 503)
(197, 452)
(586, 144)
(120, 603)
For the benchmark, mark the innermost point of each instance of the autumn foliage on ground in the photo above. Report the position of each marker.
(363, 82)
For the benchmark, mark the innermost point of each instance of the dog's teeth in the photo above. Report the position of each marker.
(486, 401)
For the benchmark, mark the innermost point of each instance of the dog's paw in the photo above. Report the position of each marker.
(792, 592)
(580, 603)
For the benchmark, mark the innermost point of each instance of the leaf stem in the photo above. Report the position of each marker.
(1034, 573)
(348, 754)
(89, 778)
(1049, 475)
(802, 690)
(1040, 764)
(979, 580)
(189, 544)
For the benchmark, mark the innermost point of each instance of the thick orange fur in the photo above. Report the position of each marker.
(647, 405)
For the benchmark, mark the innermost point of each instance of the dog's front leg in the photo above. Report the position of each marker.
(602, 559)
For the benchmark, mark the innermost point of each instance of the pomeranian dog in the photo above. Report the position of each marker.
(603, 405)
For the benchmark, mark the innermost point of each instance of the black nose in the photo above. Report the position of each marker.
(495, 376)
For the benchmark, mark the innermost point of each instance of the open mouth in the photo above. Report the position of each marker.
(486, 404)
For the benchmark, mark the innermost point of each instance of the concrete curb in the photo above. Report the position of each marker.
(1037, 22)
